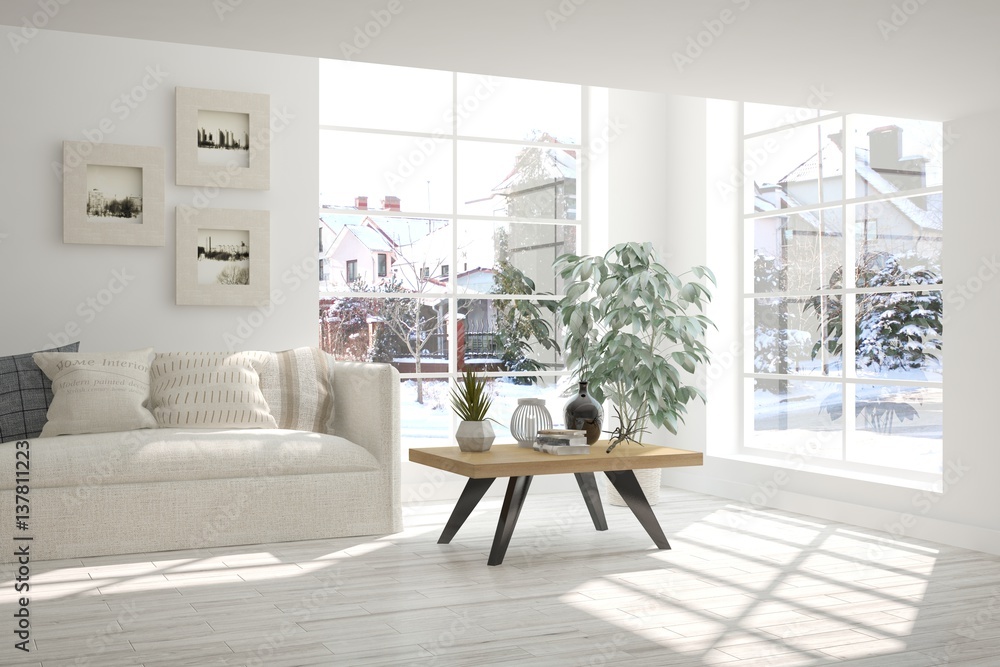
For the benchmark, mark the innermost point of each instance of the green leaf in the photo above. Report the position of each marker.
(684, 360)
(607, 288)
(575, 291)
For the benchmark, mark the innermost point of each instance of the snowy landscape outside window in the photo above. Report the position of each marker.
(427, 171)
(843, 227)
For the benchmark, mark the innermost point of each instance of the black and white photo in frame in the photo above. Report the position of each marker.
(223, 139)
(223, 257)
(113, 194)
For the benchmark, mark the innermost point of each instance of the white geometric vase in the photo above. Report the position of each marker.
(475, 436)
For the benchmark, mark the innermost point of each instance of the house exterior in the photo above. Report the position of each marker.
(358, 250)
(904, 226)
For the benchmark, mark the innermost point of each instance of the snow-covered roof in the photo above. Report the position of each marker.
(924, 219)
(558, 165)
(372, 239)
(832, 165)
(478, 269)
(784, 200)
(399, 231)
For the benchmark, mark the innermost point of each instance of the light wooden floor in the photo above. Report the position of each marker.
(741, 587)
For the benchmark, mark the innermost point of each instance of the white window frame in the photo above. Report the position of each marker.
(848, 380)
(452, 292)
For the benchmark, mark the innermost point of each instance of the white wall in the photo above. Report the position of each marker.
(657, 172)
(64, 87)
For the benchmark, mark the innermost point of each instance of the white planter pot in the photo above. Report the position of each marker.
(475, 436)
(649, 482)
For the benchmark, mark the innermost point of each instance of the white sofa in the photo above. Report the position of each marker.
(176, 488)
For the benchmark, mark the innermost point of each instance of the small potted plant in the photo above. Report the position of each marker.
(471, 402)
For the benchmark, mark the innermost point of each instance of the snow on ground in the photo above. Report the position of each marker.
(799, 421)
(431, 424)
(792, 423)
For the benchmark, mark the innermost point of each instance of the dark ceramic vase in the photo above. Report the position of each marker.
(584, 413)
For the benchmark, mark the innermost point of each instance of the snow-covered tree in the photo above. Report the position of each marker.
(894, 331)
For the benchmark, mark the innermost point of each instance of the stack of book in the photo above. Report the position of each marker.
(561, 441)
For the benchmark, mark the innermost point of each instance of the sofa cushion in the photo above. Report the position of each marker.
(298, 386)
(25, 395)
(209, 390)
(78, 462)
(97, 392)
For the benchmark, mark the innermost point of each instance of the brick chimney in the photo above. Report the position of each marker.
(361, 203)
(390, 203)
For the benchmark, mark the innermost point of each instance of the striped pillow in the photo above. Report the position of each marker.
(298, 385)
(209, 390)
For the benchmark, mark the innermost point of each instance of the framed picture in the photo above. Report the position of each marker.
(223, 257)
(223, 139)
(112, 194)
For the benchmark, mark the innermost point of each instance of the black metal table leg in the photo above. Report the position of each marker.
(517, 489)
(628, 487)
(473, 492)
(588, 487)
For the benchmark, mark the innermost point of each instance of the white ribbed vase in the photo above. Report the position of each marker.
(529, 416)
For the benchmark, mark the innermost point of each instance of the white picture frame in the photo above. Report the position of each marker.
(223, 139)
(210, 260)
(113, 194)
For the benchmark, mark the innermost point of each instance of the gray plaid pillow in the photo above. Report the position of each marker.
(25, 395)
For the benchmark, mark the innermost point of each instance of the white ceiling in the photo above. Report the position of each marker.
(941, 63)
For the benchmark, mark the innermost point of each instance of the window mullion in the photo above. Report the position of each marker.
(452, 253)
(848, 300)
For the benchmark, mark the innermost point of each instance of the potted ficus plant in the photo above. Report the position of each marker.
(636, 333)
(471, 402)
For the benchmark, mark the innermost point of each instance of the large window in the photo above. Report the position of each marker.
(843, 226)
(465, 188)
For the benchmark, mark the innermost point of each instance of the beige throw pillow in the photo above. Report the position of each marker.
(298, 385)
(97, 392)
(209, 390)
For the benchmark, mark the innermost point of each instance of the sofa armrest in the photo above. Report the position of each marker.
(367, 410)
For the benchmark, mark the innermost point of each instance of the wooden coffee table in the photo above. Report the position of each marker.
(521, 464)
